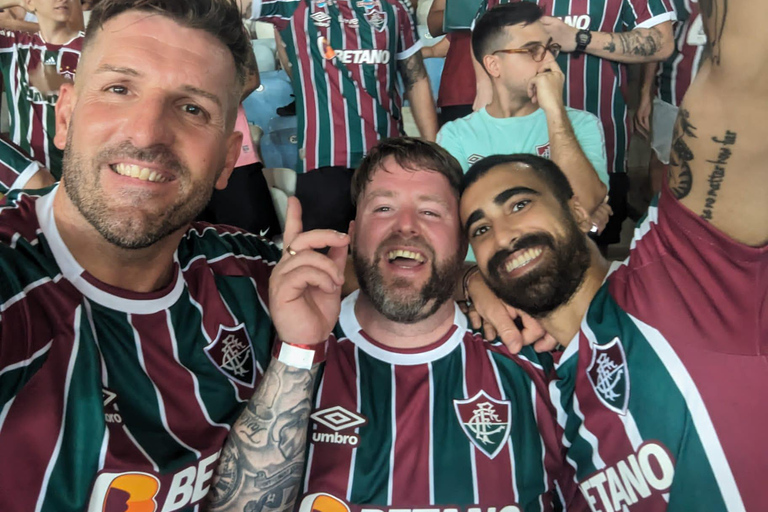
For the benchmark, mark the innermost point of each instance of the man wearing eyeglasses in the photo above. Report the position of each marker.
(527, 113)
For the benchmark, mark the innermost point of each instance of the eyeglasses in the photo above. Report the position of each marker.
(537, 50)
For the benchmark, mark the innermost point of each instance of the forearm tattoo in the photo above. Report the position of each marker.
(680, 179)
(714, 13)
(263, 459)
(412, 70)
(639, 42)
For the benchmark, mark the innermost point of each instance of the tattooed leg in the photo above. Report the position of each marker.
(262, 461)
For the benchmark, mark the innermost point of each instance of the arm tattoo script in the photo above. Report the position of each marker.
(262, 461)
(714, 12)
(680, 179)
(412, 70)
(640, 42)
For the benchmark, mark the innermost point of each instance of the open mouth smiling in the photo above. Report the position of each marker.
(140, 173)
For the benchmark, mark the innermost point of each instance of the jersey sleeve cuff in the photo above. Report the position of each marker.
(656, 20)
(410, 51)
(25, 176)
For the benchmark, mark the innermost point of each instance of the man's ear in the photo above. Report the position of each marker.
(64, 108)
(582, 216)
(491, 65)
(234, 147)
(351, 232)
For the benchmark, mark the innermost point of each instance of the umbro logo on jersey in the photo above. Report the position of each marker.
(337, 418)
(232, 354)
(485, 421)
(581, 22)
(543, 150)
(609, 375)
(50, 61)
(474, 158)
(321, 19)
(111, 414)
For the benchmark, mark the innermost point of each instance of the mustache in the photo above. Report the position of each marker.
(524, 242)
(159, 155)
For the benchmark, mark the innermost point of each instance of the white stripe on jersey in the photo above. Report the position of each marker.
(141, 449)
(4, 412)
(160, 401)
(562, 417)
(588, 436)
(431, 434)
(104, 448)
(393, 414)
(699, 414)
(472, 451)
(651, 218)
(543, 449)
(68, 381)
(353, 459)
(31, 286)
(195, 382)
(27, 361)
(511, 446)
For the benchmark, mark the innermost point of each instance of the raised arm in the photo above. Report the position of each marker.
(419, 94)
(634, 46)
(262, 461)
(718, 163)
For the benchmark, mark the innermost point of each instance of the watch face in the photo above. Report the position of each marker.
(582, 38)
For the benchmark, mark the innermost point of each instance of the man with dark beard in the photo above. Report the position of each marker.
(660, 387)
(413, 410)
(131, 339)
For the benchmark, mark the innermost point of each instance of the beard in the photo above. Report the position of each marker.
(134, 228)
(397, 300)
(551, 285)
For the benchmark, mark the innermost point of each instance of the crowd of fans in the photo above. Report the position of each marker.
(429, 321)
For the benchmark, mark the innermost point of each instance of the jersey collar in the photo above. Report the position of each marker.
(85, 284)
(354, 332)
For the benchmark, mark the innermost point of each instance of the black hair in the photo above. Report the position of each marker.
(544, 168)
(489, 34)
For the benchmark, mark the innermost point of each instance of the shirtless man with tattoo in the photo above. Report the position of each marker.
(660, 387)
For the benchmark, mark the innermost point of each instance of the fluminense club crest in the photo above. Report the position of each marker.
(232, 353)
(609, 375)
(485, 421)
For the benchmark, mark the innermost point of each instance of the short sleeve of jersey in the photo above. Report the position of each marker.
(408, 43)
(448, 138)
(276, 12)
(16, 168)
(589, 133)
(646, 13)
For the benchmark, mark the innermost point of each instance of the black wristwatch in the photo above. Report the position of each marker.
(583, 38)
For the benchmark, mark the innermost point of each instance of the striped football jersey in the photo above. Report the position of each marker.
(460, 424)
(594, 84)
(676, 74)
(113, 400)
(16, 167)
(344, 55)
(25, 58)
(661, 393)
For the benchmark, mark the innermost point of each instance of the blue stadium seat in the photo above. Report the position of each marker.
(275, 91)
(283, 135)
(435, 72)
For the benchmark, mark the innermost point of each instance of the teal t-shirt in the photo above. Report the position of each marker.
(479, 135)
